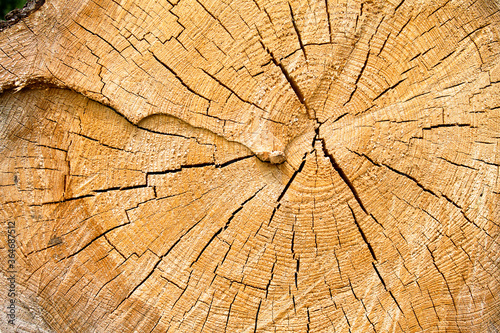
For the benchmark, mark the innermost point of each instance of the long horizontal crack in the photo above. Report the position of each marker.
(200, 165)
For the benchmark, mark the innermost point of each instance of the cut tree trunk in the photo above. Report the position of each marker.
(251, 166)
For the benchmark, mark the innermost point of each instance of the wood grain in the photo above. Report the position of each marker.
(252, 166)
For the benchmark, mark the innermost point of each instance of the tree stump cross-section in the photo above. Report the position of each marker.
(250, 166)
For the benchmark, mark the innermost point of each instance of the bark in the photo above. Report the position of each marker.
(251, 166)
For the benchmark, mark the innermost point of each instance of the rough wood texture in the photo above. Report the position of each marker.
(253, 166)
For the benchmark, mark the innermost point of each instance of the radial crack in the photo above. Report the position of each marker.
(218, 232)
(292, 178)
(297, 31)
(341, 173)
(363, 236)
(291, 81)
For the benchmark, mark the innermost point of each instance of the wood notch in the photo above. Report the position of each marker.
(273, 157)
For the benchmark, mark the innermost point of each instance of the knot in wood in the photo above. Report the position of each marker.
(273, 157)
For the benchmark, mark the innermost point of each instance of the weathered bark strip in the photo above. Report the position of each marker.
(18, 14)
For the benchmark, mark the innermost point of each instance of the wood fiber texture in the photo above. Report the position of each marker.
(252, 166)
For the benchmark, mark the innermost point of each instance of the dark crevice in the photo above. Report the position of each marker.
(396, 301)
(274, 212)
(308, 321)
(108, 282)
(107, 189)
(291, 81)
(440, 7)
(407, 70)
(297, 272)
(456, 164)
(452, 202)
(293, 84)
(206, 245)
(215, 18)
(383, 44)
(257, 316)
(156, 324)
(347, 319)
(418, 321)
(271, 278)
(257, 4)
(184, 290)
(397, 172)
(416, 96)
(447, 125)
(338, 118)
(474, 31)
(224, 258)
(193, 166)
(119, 188)
(94, 239)
(404, 25)
(229, 312)
(328, 18)
(187, 166)
(362, 234)
(368, 318)
(444, 278)
(443, 59)
(59, 242)
(68, 199)
(96, 140)
(181, 237)
(114, 247)
(358, 78)
(352, 290)
(101, 38)
(55, 148)
(260, 289)
(297, 31)
(379, 276)
(486, 162)
(388, 89)
(412, 179)
(218, 232)
(341, 172)
(233, 214)
(142, 281)
(181, 81)
(399, 5)
(208, 312)
(231, 90)
(292, 178)
(225, 164)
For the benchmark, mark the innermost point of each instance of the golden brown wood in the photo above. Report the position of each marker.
(252, 166)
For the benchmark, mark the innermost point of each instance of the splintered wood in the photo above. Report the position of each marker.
(251, 166)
